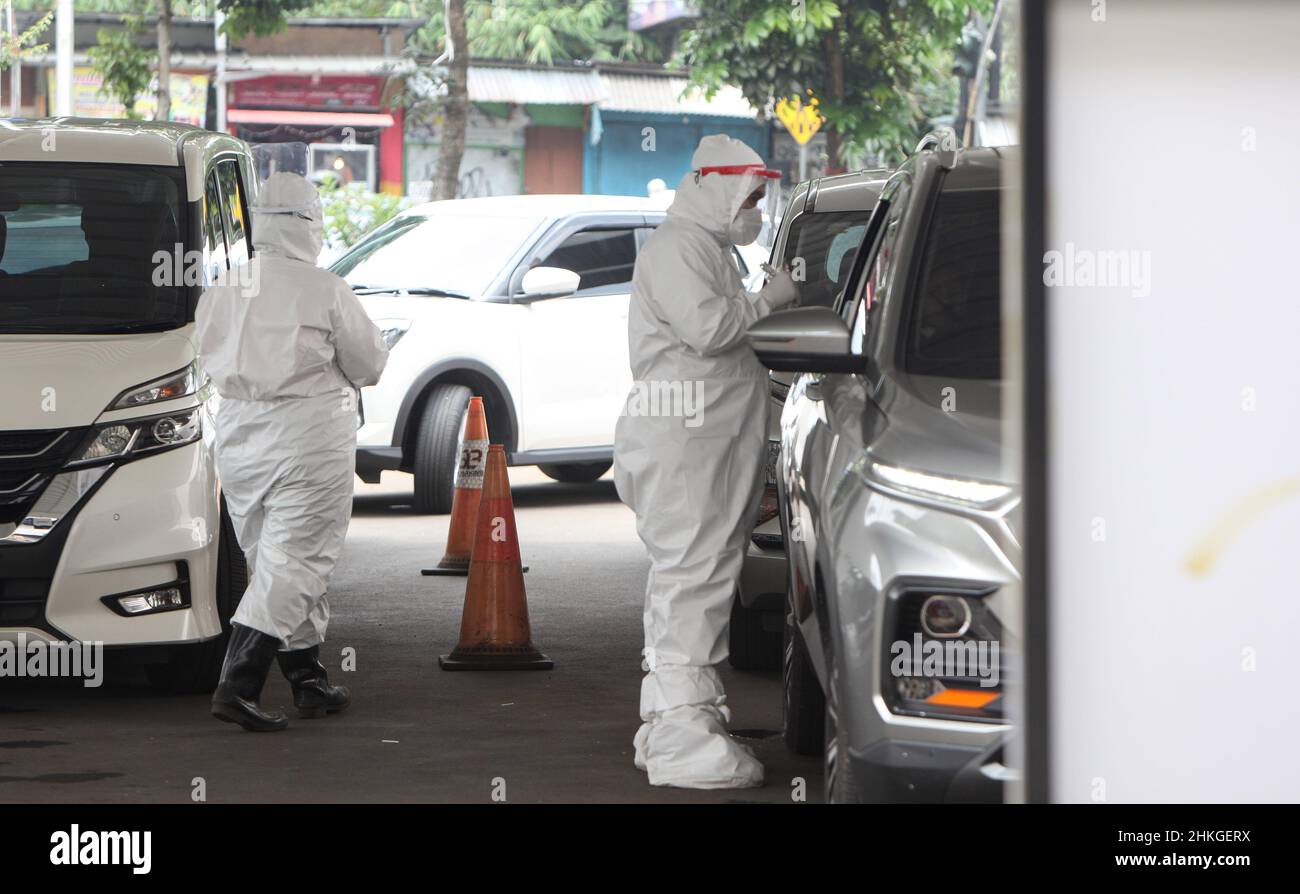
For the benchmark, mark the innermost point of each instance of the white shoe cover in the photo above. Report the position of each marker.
(688, 747)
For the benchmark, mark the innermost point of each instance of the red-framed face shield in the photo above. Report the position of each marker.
(758, 170)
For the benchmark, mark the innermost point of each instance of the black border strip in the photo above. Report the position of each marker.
(1034, 380)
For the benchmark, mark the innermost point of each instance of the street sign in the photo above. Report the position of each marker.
(802, 120)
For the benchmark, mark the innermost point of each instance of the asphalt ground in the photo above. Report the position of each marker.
(414, 733)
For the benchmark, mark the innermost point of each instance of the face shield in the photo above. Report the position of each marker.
(739, 183)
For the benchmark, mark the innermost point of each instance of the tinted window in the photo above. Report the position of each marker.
(234, 211)
(78, 244)
(823, 246)
(603, 259)
(214, 234)
(956, 316)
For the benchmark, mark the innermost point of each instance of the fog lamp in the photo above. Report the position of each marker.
(945, 616)
(152, 601)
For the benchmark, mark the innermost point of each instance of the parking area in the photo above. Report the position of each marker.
(414, 733)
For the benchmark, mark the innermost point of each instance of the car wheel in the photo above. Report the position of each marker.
(803, 704)
(841, 787)
(437, 444)
(575, 473)
(754, 645)
(196, 668)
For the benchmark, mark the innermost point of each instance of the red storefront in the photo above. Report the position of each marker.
(340, 117)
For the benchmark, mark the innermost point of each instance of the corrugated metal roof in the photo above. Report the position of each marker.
(537, 86)
(670, 95)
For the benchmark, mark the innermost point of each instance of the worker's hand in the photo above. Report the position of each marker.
(780, 290)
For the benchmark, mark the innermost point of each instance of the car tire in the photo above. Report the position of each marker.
(437, 443)
(574, 473)
(753, 646)
(196, 668)
(803, 703)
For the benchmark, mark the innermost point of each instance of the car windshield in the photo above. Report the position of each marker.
(824, 245)
(457, 253)
(78, 245)
(956, 315)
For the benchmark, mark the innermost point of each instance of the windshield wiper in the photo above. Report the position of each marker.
(414, 290)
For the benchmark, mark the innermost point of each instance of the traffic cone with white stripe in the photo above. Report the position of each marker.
(464, 502)
(494, 629)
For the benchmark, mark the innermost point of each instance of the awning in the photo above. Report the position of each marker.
(337, 119)
(547, 86)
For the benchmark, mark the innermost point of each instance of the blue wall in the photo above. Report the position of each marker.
(618, 166)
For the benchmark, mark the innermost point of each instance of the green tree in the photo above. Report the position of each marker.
(15, 47)
(880, 68)
(122, 62)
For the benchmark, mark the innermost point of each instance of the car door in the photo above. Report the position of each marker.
(574, 360)
(823, 423)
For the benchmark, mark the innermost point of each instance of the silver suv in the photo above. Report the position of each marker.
(817, 239)
(896, 506)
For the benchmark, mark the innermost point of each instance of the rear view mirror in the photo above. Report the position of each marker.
(805, 339)
(549, 282)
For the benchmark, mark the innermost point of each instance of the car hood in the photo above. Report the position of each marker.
(65, 381)
(944, 426)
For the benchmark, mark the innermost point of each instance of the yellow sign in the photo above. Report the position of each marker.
(802, 120)
(189, 97)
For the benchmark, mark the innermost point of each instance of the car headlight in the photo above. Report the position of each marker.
(137, 437)
(392, 330)
(171, 386)
(967, 492)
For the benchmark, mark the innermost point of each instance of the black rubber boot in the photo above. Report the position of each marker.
(248, 660)
(313, 695)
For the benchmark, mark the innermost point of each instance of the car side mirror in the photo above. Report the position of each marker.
(804, 339)
(549, 282)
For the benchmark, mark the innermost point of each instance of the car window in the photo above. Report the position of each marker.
(458, 252)
(91, 248)
(603, 260)
(864, 309)
(822, 246)
(234, 211)
(955, 326)
(214, 235)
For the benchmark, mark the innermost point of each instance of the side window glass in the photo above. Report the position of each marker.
(214, 230)
(603, 259)
(865, 308)
(234, 211)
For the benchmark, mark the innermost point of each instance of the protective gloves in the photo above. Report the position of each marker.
(780, 290)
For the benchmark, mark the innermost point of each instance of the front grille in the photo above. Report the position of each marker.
(28, 459)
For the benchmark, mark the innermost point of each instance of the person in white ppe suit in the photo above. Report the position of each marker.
(694, 480)
(287, 356)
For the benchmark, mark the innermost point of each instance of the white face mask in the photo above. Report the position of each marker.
(746, 227)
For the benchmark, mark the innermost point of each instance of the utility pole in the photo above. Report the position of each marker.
(15, 70)
(219, 21)
(63, 49)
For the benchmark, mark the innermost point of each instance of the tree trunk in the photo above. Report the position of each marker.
(446, 181)
(164, 61)
(835, 87)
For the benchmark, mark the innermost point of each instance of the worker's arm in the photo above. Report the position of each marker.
(697, 306)
(359, 348)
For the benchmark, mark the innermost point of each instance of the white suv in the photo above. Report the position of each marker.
(112, 527)
(521, 300)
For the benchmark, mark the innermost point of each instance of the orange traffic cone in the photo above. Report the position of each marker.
(464, 502)
(494, 629)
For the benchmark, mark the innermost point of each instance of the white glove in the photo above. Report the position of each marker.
(780, 290)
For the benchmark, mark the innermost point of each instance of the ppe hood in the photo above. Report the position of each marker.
(65, 381)
(287, 219)
(724, 171)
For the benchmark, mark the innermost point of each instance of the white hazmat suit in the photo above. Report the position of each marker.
(287, 357)
(694, 478)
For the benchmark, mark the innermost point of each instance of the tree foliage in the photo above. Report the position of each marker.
(880, 68)
(122, 63)
(15, 47)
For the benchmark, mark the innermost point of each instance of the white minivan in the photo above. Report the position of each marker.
(112, 527)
